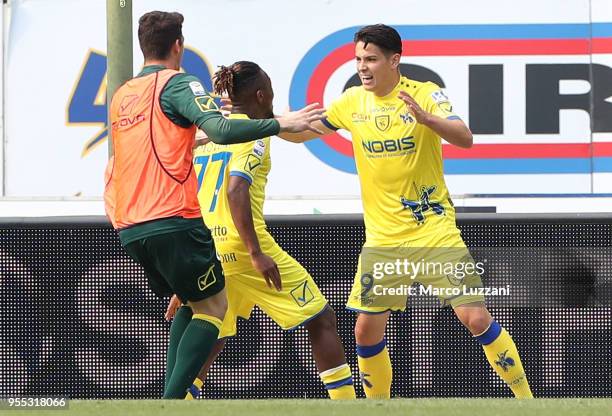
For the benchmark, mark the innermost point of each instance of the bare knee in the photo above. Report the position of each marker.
(370, 329)
(325, 321)
(476, 319)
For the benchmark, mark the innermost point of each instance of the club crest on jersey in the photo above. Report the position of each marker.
(383, 122)
(424, 204)
(407, 117)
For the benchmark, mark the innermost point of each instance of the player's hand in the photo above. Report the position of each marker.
(415, 109)
(299, 121)
(173, 306)
(268, 269)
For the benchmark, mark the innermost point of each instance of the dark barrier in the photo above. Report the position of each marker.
(77, 319)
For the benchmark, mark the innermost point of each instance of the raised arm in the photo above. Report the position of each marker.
(453, 129)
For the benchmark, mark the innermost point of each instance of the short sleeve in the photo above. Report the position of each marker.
(438, 103)
(339, 112)
(247, 158)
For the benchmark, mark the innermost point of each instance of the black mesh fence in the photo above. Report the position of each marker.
(77, 318)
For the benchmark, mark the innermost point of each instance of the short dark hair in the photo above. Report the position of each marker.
(157, 32)
(383, 36)
(238, 80)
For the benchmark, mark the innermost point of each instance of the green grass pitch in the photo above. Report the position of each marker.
(310, 407)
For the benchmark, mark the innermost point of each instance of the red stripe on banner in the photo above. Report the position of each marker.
(601, 45)
(528, 151)
(496, 47)
(316, 88)
(602, 149)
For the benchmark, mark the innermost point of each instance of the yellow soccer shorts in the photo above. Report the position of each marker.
(433, 261)
(299, 301)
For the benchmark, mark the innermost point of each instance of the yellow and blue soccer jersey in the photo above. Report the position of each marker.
(399, 161)
(214, 164)
(300, 299)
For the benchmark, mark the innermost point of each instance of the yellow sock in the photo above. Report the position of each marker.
(195, 390)
(503, 356)
(339, 383)
(375, 370)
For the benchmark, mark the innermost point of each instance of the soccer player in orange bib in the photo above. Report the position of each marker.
(151, 188)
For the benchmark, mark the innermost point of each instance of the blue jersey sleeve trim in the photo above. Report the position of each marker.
(242, 175)
(327, 124)
(453, 118)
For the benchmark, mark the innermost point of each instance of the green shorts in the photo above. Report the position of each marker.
(180, 262)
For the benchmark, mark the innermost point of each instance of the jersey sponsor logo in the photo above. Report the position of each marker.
(360, 117)
(87, 103)
(570, 45)
(197, 88)
(302, 295)
(252, 163)
(382, 122)
(207, 279)
(390, 145)
(227, 257)
(218, 231)
(424, 204)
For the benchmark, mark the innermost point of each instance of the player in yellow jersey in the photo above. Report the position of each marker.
(396, 124)
(232, 182)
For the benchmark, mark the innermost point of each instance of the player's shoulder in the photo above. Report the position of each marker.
(257, 147)
(420, 87)
(353, 92)
(181, 80)
(422, 91)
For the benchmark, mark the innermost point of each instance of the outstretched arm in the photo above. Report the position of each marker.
(186, 102)
(307, 135)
